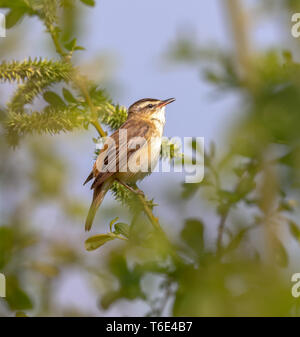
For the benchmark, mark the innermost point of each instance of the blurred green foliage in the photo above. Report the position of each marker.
(252, 189)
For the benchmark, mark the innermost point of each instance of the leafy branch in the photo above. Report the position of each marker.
(37, 69)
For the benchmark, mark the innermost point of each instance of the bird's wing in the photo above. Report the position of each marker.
(118, 148)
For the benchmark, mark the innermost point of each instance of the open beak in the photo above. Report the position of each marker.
(165, 102)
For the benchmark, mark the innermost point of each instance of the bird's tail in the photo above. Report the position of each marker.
(99, 194)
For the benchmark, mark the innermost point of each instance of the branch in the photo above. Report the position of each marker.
(80, 82)
(220, 232)
(78, 79)
(39, 69)
(239, 22)
(148, 211)
(51, 120)
(155, 223)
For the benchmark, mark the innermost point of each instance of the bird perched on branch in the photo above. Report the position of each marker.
(130, 153)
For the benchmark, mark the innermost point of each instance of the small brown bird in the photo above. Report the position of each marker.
(130, 153)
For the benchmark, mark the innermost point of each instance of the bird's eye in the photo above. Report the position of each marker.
(150, 106)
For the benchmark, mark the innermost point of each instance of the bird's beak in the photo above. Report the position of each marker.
(165, 102)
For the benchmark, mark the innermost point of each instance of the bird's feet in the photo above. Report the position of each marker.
(140, 192)
(134, 189)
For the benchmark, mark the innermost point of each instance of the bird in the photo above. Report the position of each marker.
(130, 153)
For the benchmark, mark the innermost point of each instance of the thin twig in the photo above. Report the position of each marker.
(148, 211)
(140, 194)
(163, 301)
(220, 232)
(155, 223)
(224, 216)
(56, 43)
(78, 81)
(166, 298)
(120, 237)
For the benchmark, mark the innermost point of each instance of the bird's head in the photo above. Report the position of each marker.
(148, 107)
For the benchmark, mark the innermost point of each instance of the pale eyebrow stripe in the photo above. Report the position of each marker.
(149, 102)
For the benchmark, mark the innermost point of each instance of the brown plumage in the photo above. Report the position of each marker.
(146, 119)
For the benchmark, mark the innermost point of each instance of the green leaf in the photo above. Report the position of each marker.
(122, 228)
(21, 314)
(189, 190)
(287, 159)
(89, 2)
(53, 99)
(79, 48)
(287, 55)
(192, 234)
(237, 239)
(129, 281)
(281, 256)
(245, 186)
(14, 16)
(6, 245)
(16, 297)
(228, 196)
(72, 45)
(97, 241)
(68, 96)
(295, 231)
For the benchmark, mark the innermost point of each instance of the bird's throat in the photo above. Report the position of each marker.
(159, 119)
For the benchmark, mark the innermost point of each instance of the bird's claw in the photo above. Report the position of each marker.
(141, 193)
